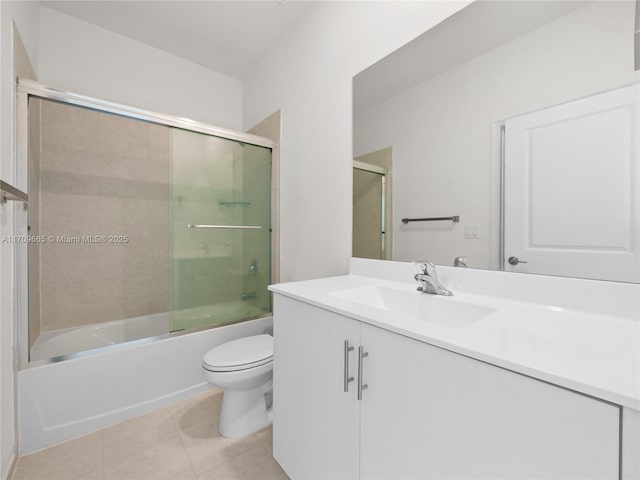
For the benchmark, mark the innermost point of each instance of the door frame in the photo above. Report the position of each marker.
(368, 167)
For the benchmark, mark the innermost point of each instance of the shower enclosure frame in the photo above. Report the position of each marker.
(25, 89)
(368, 167)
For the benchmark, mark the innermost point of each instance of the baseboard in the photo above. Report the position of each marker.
(12, 467)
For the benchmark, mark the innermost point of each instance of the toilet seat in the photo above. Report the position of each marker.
(241, 354)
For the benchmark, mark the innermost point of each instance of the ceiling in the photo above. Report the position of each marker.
(226, 36)
(474, 30)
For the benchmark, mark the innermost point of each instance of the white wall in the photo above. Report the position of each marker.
(80, 57)
(25, 16)
(308, 76)
(441, 129)
(83, 58)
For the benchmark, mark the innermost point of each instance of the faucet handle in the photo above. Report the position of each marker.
(426, 266)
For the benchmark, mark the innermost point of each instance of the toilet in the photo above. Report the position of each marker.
(243, 368)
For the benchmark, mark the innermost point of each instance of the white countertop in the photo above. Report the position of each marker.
(596, 354)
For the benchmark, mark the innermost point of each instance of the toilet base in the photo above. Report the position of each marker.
(244, 412)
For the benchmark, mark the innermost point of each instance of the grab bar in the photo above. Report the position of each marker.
(9, 192)
(253, 227)
(454, 219)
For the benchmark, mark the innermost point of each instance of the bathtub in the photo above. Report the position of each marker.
(63, 400)
(58, 344)
(67, 343)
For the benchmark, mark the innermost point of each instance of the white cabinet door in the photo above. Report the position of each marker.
(315, 423)
(431, 413)
(572, 188)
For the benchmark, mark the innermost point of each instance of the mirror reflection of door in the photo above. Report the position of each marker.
(572, 188)
(371, 205)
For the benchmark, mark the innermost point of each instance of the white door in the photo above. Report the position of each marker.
(572, 189)
(315, 422)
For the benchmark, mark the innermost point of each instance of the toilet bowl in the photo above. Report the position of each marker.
(243, 368)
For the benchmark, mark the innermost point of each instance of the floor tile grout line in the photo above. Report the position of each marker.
(184, 447)
(181, 432)
(156, 443)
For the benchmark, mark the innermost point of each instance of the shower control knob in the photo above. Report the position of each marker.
(515, 261)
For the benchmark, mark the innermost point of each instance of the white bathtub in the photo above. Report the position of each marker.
(64, 342)
(63, 400)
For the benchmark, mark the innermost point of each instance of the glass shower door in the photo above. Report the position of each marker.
(221, 212)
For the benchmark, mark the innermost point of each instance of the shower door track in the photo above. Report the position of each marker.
(26, 88)
(31, 87)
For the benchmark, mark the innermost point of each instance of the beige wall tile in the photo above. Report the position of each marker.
(69, 183)
(35, 326)
(71, 127)
(123, 136)
(87, 290)
(125, 167)
(159, 153)
(125, 216)
(159, 139)
(62, 262)
(120, 262)
(159, 292)
(63, 214)
(64, 159)
(34, 218)
(57, 316)
(270, 128)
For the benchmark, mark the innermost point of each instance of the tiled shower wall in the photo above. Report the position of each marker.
(34, 220)
(270, 128)
(102, 174)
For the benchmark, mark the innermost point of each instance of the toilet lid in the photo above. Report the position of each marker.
(242, 353)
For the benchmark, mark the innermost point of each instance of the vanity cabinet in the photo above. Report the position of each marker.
(426, 412)
(315, 423)
(432, 413)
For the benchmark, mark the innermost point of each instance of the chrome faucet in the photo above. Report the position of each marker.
(428, 280)
(460, 262)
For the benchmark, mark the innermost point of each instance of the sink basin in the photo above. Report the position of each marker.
(446, 311)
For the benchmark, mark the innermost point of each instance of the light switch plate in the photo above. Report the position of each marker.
(471, 231)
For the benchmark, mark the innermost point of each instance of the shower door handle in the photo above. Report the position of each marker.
(361, 356)
(228, 227)
(347, 379)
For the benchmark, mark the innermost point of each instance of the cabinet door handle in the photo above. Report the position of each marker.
(361, 355)
(347, 379)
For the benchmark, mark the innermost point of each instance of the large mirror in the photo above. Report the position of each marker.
(506, 137)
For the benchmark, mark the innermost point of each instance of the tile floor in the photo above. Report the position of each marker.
(178, 442)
